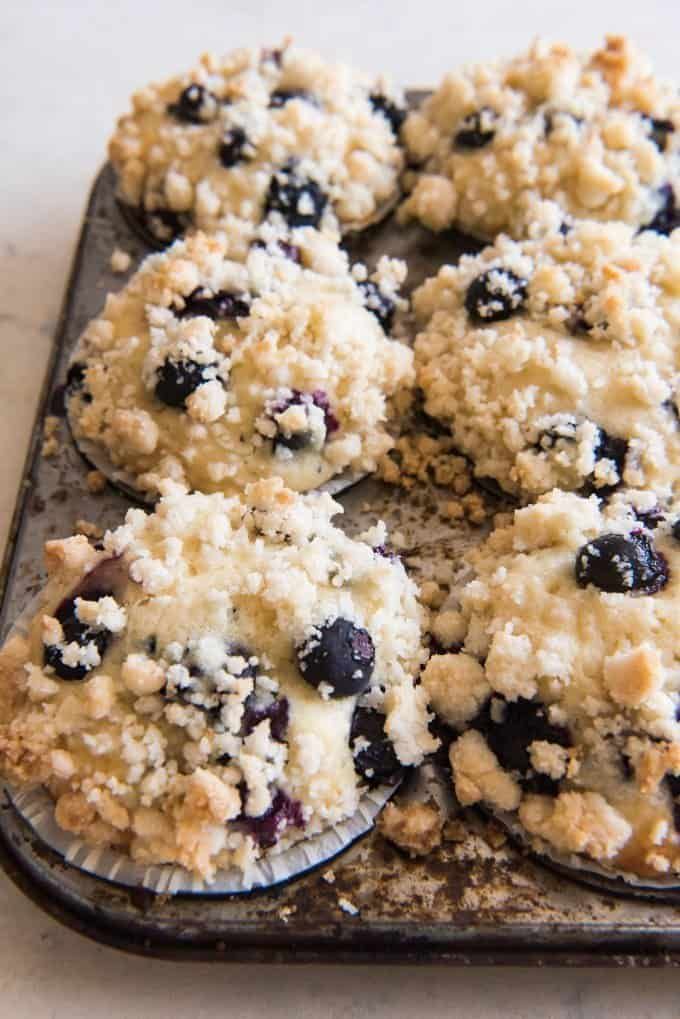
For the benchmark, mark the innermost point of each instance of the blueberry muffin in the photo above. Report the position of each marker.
(260, 133)
(224, 677)
(215, 372)
(597, 133)
(554, 360)
(565, 694)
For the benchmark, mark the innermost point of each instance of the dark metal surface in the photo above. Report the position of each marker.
(474, 901)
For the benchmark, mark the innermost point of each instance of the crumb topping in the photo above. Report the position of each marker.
(214, 372)
(247, 136)
(596, 133)
(573, 386)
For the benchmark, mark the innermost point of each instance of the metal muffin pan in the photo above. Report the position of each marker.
(479, 900)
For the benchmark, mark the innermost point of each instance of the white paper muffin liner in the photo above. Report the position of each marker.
(36, 807)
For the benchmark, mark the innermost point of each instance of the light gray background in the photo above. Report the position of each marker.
(66, 71)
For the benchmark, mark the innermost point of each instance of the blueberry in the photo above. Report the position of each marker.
(379, 304)
(624, 565)
(282, 96)
(672, 408)
(659, 130)
(476, 129)
(222, 304)
(164, 225)
(668, 216)
(496, 295)
(611, 447)
(78, 632)
(650, 518)
(673, 783)
(395, 115)
(300, 201)
(284, 248)
(195, 105)
(300, 440)
(340, 655)
(578, 322)
(277, 711)
(176, 380)
(270, 826)
(520, 723)
(75, 381)
(232, 147)
(377, 762)
(675, 529)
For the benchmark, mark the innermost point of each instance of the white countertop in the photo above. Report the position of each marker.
(67, 70)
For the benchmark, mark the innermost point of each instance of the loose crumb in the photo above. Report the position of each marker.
(96, 482)
(120, 260)
(414, 827)
(89, 529)
(348, 907)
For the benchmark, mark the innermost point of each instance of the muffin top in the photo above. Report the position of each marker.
(260, 133)
(554, 360)
(564, 695)
(215, 372)
(598, 133)
(223, 677)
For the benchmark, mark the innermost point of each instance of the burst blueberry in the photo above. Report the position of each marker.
(394, 114)
(510, 727)
(222, 304)
(477, 129)
(495, 295)
(378, 303)
(340, 655)
(300, 201)
(177, 380)
(623, 565)
(668, 216)
(269, 827)
(375, 760)
(232, 148)
(76, 632)
(195, 105)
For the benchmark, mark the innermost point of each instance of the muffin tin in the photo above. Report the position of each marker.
(477, 899)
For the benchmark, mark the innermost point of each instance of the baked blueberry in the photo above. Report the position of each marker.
(232, 147)
(176, 380)
(282, 96)
(477, 129)
(300, 201)
(675, 529)
(75, 381)
(668, 216)
(496, 295)
(301, 439)
(650, 518)
(222, 304)
(395, 115)
(76, 632)
(195, 105)
(510, 727)
(673, 783)
(374, 757)
(270, 826)
(620, 564)
(659, 130)
(339, 655)
(379, 304)
(162, 225)
(289, 251)
(277, 711)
